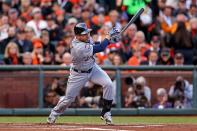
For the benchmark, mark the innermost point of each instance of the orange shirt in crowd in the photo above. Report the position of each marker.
(35, 60)
(143, 48)
(101, 56)
(134, 61)
(171, 29)
(96, 21)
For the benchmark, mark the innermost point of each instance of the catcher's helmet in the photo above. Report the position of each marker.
(81, 29)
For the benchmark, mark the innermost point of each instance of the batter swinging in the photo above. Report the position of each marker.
(85, 69)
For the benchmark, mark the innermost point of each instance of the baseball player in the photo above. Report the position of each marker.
(85, 69)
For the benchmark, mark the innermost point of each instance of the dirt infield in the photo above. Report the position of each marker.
(86, 127)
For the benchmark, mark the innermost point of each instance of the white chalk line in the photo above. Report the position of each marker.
(79, 127)
(100, 129)
(74, 129)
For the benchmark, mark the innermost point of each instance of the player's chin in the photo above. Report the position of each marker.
(87, 40)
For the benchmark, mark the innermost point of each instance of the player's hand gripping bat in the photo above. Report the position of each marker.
(115, 34)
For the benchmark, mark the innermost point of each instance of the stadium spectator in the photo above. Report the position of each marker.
(60, 50)
(37, 53)
(142, 93)
(146, 17)
(27, 58)
(46, 7)
(127, 38)
(146, 20)
(181, 41)
(86, 16)
(4, 26)
(130, 81)
(181, 93)
(129, 99)
(192, 11)
(139, 42)
(112, 52)
(37, 23)
(193, 30)
(48, 58)
(130, 93)
(58, 85)
(23, 44)
(113, 20)
(67, 38)
(13, 15)
(165, 57)
(137, 58)
(11, 56)
(193, 27)
(11, 37)
(53, 92)
(178, 59)
(190, 2)
(101, 34)
(20, 24)
(155, 45)
(117, 60)
(5, 7)
(70, 25)
(90, 95)
(26, 9)
(30, 34)
(76, 12)
(108, 4)
(61, 21)
(167, 19)
(55, 31)
(50, 99)
(181, 8)
(142, 90)
(47, 45)
(67, 59)
(162, 99)
(152, 59)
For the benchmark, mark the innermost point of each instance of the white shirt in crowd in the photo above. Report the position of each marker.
(37, 27)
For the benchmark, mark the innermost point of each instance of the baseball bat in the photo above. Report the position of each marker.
(133, 19)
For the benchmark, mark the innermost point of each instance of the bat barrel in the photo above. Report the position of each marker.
(132, 19)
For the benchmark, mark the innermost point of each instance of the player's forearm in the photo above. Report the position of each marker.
(100, 47)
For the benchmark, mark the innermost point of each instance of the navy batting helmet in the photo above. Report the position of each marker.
(81, 29)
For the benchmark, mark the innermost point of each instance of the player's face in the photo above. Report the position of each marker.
(84, 38)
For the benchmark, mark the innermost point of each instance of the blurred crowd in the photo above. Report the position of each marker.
(137, 95)
(39, 32)
(34, 32)
(90, 96)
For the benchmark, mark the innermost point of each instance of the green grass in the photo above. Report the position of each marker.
(96, 120)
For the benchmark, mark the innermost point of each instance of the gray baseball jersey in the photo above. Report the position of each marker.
(82, 55)
(83, 60)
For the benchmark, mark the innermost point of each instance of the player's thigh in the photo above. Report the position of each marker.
(75, 82)
(100, 77)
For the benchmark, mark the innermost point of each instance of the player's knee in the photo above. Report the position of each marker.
(69, 99)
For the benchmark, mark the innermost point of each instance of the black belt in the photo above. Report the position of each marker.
(79, 71)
